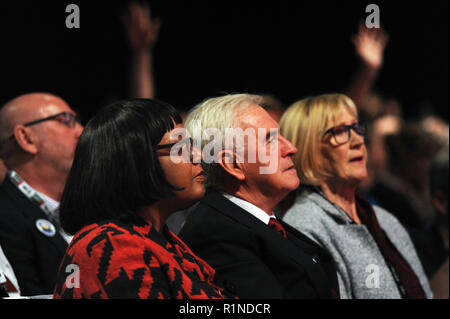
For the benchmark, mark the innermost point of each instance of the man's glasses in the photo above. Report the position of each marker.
(66, 118)
(184, 148)
(341, 133)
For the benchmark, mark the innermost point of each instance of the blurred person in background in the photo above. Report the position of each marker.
(403, 187)
(439, 180)
(38, 135)
(433, 245)
(370, 45)
(3, 171)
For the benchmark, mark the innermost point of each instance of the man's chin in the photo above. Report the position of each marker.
(293, 183)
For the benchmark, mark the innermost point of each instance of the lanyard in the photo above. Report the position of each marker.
(31, 194)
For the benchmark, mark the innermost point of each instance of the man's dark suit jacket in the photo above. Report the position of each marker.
(251, 259)
(34, 257)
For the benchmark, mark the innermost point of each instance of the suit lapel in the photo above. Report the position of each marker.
(33, 213)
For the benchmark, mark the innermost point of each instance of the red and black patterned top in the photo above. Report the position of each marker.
(131, 259)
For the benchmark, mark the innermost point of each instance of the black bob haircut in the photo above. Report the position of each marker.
(115, 169)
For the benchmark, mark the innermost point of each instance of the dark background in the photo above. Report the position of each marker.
(290, 49)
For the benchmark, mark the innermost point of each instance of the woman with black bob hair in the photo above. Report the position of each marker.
(133, 167)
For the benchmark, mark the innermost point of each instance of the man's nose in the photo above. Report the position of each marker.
(287, 148)
(356, 140)
(78, 129)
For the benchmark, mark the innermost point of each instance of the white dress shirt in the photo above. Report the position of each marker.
(249, 207)
(53, 206)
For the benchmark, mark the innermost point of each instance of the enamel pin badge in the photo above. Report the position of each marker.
(46, 227)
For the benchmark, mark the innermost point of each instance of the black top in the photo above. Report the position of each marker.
(33, 255)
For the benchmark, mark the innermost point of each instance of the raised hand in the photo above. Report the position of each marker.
(141, 29)
(370, 45)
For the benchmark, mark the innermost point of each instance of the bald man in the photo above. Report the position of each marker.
(38, 135)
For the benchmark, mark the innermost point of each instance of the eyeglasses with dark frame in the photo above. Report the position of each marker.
(341, 133)
(186, 142)
(69, 120)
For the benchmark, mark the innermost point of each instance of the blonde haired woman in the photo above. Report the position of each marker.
(373, 253)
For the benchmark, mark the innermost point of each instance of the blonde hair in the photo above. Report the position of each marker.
(304, 123)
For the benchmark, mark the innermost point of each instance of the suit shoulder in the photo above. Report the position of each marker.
(12, 216)
(15, 207)
(205, 215)
(7, 204)
(207, 224)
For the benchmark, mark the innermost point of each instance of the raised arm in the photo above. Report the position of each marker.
(142, 33)
(369, 46)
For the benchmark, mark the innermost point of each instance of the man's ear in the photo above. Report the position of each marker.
(25, 139)
(227, 159)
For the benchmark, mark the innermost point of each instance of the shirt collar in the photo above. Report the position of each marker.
(249, 207)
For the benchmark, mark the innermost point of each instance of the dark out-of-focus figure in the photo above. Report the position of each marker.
(38, 135)
(401, 184)
(439, 199)
(439, 192)
(403, 187)
(439, 283)
(384, 116)
(3, 171)
(400, 153)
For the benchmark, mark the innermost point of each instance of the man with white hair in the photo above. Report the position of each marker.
(233, 227)
(38, 135)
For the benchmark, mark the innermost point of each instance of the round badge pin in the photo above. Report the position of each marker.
(46, 227)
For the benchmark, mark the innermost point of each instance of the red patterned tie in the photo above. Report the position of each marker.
(275, 224)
